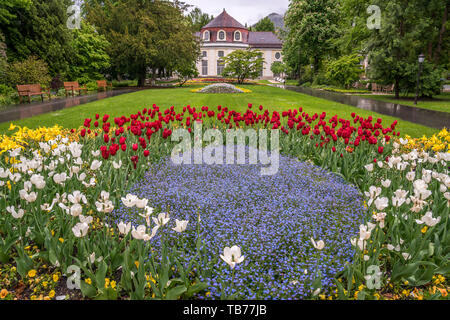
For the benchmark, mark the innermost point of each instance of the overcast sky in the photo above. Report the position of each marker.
(244, 11)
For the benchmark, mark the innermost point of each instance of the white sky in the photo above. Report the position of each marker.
(244, 11)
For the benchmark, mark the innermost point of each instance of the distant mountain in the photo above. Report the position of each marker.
(277, 19)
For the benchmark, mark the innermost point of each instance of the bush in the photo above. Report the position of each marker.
(430, 79)
(30, 71)
(345, 70)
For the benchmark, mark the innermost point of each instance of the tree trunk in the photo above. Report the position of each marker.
(397, 88)
(142, 76)
(437, 53)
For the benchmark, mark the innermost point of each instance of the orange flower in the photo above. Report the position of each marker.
(349, 149)
(444, 292)
(3, 293)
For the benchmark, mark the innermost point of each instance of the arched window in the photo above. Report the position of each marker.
(237, 36)
(221, 35)
(206, 35)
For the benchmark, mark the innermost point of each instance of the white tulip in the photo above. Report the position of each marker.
(180, 225)
(130, 200)
(162, 219)
(95, 165)
(428, 219)
(369, 167)
(232, 256)
(319, 245)
(80, 229)
(17, 215)
(124, 228)
(381, 203)
(117, 165)
(141, 203)
(76, 210)
(386, 183)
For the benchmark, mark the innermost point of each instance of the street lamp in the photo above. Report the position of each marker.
(421, 60)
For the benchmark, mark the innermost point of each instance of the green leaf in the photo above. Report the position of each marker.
(176, 292)
(87, 290)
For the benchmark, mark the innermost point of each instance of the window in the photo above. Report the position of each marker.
(220, 54)
(204, 67)
(222, 36)
(237, 36)
(277, 56)
(220, 66)
(206, 35)
(204, 54)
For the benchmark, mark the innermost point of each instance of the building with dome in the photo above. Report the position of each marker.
(223, 35)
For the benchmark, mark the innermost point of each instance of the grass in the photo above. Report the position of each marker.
(438, 103)
(270, 97)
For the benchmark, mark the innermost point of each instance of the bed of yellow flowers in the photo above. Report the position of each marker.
(439, 142)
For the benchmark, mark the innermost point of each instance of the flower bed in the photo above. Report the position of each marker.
(58, 190)
(271, 218)
(221, 88)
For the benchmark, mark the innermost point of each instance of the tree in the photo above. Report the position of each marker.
(40, 30)
(345, 71)
(264, 24)
(311, 24)
(279, 67)
(30, 71)
(90, 54)
(3, 60)
(198, 19)
(186, 72)
(404, 34)
(151, 35)
(243, 64)
(8, 9)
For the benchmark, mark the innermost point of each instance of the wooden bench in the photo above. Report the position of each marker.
(73, 87)
(103, 84)
(29, 90)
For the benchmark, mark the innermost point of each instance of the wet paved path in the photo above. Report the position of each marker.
(429, 118)
(27, 110)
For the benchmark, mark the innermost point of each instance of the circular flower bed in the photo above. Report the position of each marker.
(271, 218)
(221, 88)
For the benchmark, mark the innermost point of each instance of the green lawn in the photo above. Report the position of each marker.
(438, 103)
(270, 97)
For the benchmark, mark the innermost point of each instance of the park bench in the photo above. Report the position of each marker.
(103, 84)
(29, 90)
(73, 87)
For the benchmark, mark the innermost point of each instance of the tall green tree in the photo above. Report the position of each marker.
(40, 30)
(145, 36)
(407, 29)
(265, 24)
(311, 25)
(9, 8)
(199, 19)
